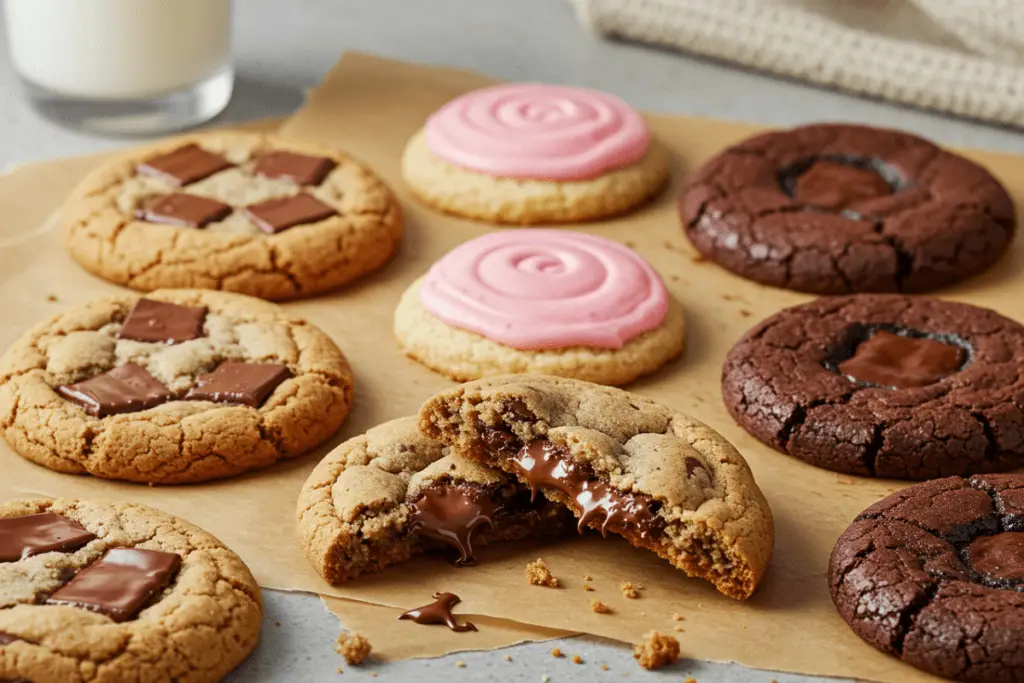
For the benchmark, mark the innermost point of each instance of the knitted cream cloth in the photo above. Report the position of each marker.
(965, 57)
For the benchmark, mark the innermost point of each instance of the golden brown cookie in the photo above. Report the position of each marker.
(622, 463)
(240, 212)
(93, 591)
(389, 494)
(178, 386)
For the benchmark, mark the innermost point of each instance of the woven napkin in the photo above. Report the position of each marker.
(963, 57)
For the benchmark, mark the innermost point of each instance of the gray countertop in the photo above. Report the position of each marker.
(283, 48)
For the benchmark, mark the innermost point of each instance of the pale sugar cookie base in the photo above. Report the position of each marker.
(527, 202)
(464, 355)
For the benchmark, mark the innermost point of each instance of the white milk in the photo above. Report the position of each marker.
(128, 49)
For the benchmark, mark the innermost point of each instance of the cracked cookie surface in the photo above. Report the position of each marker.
(934, 575)
(387, 495)
(622, 464)
(782, 384)
(181, 438)
(349, 223)
(197, 628)
(837, 209)
(517, 201)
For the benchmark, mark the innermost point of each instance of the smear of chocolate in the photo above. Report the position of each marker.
(452, 514)
(439, 612)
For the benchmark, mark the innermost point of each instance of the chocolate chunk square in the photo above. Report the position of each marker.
(161, 322)
(185, 165)
(46, 532)
(184, 209)
(125, 389)
(246, 383)
(296, 168)
(120, 583)
(275, 215)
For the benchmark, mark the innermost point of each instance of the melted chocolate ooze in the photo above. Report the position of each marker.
(897, 358)
(452, 514)
(543, 465)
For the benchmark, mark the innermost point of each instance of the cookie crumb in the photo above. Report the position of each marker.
(52, 298)
(557, 652)
(677, 629)
(340, 670)
(373, 674)
(678, 617)
(576, 659)
(745, 313)
(537, 574)
(631, 590)
(508, 658)
(587, 587)
(599, 607)
(588, 577)
(604, 667)
(694, 680)
(354, 647)
(461, 664)
(656, 651)
(545, 678)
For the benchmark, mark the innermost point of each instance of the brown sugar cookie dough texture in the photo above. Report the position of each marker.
(387, 495)
(934, 575)
(240, 212)
(178, 386)
(837, 209)
(884, 385)
(622, 464)
(119, 593)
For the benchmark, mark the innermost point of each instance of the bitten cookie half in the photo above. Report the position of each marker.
(524, 154)
(120, 593)
(387, 495)
(238, 212)
(934, 574)
(883, 385)
(623, 464)
(543, 301)
(838, 209)
(175, 387)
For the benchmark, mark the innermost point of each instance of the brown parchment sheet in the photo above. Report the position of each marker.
(393, 639)
(370, 107)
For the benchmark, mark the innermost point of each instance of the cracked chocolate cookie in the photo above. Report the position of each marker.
(387, 495)
(934, 575)
(117, 592)
(884, 385)
(178, 386)
(836, 209)
(622, 464)
(240, 212)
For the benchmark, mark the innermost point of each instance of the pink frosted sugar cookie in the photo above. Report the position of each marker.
(527, 153)
(547, 301)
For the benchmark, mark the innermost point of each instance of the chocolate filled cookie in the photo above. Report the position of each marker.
(119, 593)
(836, 209)
(622, 464)
(387, 495)
(178, 386)
(240, 212)
(934, 575)
(884, 385)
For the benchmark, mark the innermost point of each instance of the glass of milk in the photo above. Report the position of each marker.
(123, 66)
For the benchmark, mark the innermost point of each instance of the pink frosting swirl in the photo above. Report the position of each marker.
(546, 289)
(542, 132)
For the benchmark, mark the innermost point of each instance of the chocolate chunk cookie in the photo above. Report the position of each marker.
(934, 575)
(836, 209)
(623, 464)
(391, 493)
(884, 385)
(178, 386)
(240, 212)
(120, 593)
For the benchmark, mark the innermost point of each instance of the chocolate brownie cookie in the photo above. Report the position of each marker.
(934, 575)
(178, 386)
(623, 464)
(116, 592)
(391, 493)
(836, 209)
(884, 385)
(240, 212)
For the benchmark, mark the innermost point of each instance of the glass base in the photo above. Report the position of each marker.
(162, 113)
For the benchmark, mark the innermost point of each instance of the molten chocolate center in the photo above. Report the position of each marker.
(901, 362)
(599, 505)
(834, 185)
(1000, 556)
(451, 514)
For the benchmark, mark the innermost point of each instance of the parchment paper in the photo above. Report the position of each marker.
(393, 639)
(370, 107)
